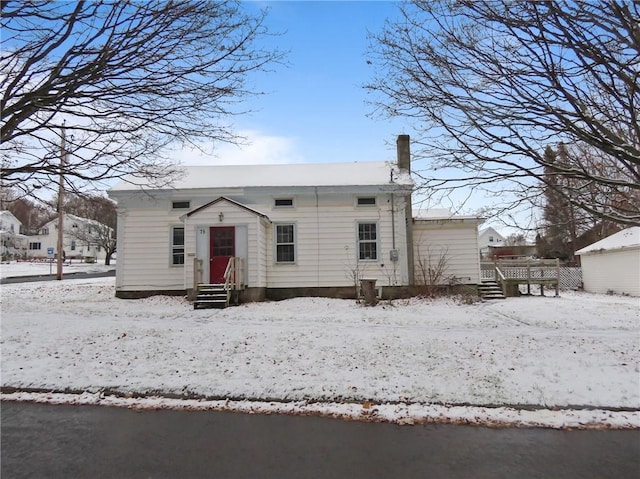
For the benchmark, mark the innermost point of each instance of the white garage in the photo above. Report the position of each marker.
(613, 263)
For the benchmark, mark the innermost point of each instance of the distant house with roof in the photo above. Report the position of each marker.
(488, 238)
(275, 231)
(81, 239)
(613, 263)
(12, 241)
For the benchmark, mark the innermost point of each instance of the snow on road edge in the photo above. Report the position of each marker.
(401, 414)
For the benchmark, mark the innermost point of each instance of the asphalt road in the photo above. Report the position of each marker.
(49, 441)
(52, 277)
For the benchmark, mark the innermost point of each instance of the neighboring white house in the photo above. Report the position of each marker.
(300, 229)
(13, 243)
(488, 237)
(613, 263)
(80, 239)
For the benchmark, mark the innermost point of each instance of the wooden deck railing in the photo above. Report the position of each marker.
(537, 272)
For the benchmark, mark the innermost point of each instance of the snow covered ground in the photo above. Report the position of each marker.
(38, 268)
(574, 360)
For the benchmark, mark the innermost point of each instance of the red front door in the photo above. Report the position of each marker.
(223, 247)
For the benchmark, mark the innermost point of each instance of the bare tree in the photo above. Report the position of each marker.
(491, 84)
(124, 79)
(31, 215)
(432, 270)
(101, 230)
(515, 239)
(94, 235)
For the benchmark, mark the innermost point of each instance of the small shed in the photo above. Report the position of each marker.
(613, 263)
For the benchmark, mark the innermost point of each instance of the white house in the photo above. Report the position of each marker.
(80, 239)
(13, 242)
(488, 237)
(298, 229)
(613, 263)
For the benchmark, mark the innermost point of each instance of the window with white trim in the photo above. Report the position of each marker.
(181, 205)
(367, 241)
(35, 246)
(283, 202)
(366, 201)
(285, 243)
(177, 245)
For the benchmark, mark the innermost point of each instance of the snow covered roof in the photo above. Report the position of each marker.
(6, 215)
(78, 219)
(440, 214)
(280, 175)
(489, 230)
(627, 238)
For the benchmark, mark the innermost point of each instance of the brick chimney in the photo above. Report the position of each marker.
(404, 152)
(404, 164)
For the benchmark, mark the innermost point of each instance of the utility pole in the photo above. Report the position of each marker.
(60, 248)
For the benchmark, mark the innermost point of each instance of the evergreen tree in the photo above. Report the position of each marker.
(558, 213)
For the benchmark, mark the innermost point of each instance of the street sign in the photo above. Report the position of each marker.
(50, 252)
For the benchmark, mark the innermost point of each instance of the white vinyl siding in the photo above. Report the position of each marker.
(326, 243)
(455, 241)
(144, 254)
(616, 271)
(325, 240)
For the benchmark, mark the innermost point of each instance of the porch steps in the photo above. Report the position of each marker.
(211, 296)
(490, 290)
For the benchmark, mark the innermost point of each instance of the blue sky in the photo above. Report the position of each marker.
(314, 109)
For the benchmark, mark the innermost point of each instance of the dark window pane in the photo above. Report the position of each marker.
(223, 242)
(285, 253)
(178, 236)
(367, 231)
(178, 257)
(284, 234)
(180, 205)
(368, 251)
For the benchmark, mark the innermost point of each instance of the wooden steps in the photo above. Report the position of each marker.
(490, 290)
(211, 296)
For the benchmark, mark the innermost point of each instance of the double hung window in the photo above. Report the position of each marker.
(285, 243)
(177, 245)
(367, 241)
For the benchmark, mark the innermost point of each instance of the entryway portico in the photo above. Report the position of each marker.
(225, 244)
